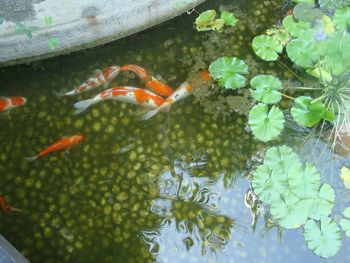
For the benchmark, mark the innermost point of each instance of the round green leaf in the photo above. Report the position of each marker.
(341, 18)
(322, 205)
(307, 12)
(229, 18)
(265, 88)
(228, 70)
(324, 240)
(302, 52)
(290, 211)
(266, 47)
(268, 183)
(206, 21)
(296, 29)
(304, 182)
(345, 222)
(266, 125)
(307, 114)
(281, 156)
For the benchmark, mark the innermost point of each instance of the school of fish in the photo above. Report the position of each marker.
(159, 97)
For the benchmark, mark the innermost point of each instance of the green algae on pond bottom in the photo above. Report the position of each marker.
(118, 195)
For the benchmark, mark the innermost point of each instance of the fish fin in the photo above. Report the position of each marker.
(31, 159)
(82, 105)
(167, 109)
(150, 114)
(58, 94)
(105, 85)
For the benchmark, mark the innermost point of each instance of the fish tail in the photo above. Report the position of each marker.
(83, 105)
(31, 159)
(58, 94)
(150, 114)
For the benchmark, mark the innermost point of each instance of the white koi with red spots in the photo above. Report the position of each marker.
(183, 91)
(126, 94)
(102, 77)
(12, 102)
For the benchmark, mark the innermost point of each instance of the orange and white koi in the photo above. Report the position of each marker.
(62, 144)
(183, 91)
(151, 82)
(102, 77)
(5, 207)
(12, 102)
(127, 94)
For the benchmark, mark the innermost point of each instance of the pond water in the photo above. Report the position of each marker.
(169, 189)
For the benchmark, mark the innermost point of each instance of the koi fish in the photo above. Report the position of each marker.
(12, 102)
(183, 91)
(62, 144)
(151, 82)
(102, 77)
(5, 207)
(131, 95)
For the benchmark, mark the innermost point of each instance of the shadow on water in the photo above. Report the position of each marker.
(171, 189)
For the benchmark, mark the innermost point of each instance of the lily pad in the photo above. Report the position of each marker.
(266, 47)
(290, 211)
(229, 18)
(269, 183)
(345, 176)
(228, 70)
(302, 52)
(306, 113)
(345, 222)
(322, 205)
(296, 29)
(307, 12)
(281, 156)
(304, 182)
(266, 125)
(324, 240)
(341, 18)
(206, 21)
(265, 88)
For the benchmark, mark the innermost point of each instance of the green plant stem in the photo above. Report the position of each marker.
(289, 69)
(287, 96)
(319, 98)
(307, 88)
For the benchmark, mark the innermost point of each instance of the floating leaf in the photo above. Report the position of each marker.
(228, 70)
(269, 183)
(304, 182)
(322, 205)
(265, 88)
(53, 42)
(296, 29)
(345, 222)
(281, 156)
(266, 47)
(290, 211)
(307, 12)
(345, 176)
(229, 18)
(302, 52)
(48, 20)
(324, 240)
(306, 113)
(266, 125)
(206, 21)
(341, 18)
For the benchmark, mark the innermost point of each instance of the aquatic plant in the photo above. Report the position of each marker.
(266, 125)
(265, 88)
(228, 72)
(345, 176)
(345, 222)
(207, 21)
(28, 30)
(296, 197)
(266, 47)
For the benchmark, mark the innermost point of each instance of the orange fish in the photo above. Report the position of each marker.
(5, 207)
(12, 102)
(127, 94)
(151, 82)
(62, 144)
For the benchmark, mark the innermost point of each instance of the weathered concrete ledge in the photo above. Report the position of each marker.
(77, 24)
(8, 254)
